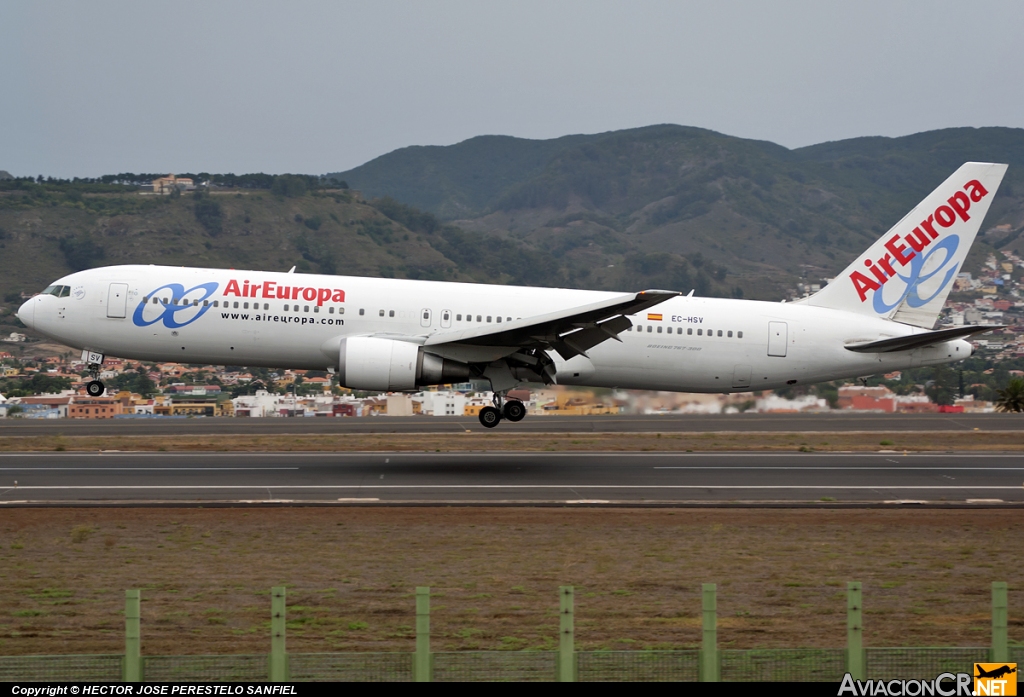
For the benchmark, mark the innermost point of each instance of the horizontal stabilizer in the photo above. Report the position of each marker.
(907, 343)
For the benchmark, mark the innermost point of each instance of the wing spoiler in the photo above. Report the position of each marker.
(913, 341)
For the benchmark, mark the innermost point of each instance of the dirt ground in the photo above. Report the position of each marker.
(861, 441)
(206, 575)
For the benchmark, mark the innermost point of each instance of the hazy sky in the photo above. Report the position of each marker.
(88, 88)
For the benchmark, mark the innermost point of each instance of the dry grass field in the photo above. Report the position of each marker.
(858, 441)
(206, 574)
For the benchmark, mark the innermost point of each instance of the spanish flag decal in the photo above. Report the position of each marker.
(651, 317)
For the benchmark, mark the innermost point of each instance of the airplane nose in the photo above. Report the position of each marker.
(27, 312)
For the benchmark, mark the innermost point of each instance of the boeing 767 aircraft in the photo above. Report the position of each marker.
(385, 334)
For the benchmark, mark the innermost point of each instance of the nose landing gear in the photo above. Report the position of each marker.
(94, 387)
(513, 410)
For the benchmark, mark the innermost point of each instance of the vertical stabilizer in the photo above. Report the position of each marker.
(907, 274)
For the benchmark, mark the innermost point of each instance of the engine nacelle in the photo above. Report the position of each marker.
(388, 365)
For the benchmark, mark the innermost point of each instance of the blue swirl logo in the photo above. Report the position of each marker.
(915, 278)
(176, 307)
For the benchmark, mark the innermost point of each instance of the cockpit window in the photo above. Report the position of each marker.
(59, 291)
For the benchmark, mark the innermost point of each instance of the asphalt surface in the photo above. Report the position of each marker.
(674, 423)
(504, 478)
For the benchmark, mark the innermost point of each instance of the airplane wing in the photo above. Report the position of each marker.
(571, 332)
(913, 341)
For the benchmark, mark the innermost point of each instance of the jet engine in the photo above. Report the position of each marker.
(372, 363)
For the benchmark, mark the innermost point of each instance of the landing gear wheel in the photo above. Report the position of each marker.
(514, 410)
(94, 388)
(489, 417)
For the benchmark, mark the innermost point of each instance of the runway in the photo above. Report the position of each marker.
(511, 478)
(667, 423)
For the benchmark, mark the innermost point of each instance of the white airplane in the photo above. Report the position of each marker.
(391, 335)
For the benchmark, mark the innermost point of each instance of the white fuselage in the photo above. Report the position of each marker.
(268, 319)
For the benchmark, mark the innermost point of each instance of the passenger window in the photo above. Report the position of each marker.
(341, 310)
(266, 306)
(444, 316)
(362, 312)
(382, 313)
(286, 308)
(499, 318)
(659, 330)
(739, 335)
(236, 305)
(730, 333)
(650, 328)
(689, 330)
(330, 311)
(719, 332)
(316, 308)
(206, 303)
(391, 313)
(245, 306)
(508, 319)
(306, 308)
(700, 332)
(458, 318)
(479, 319)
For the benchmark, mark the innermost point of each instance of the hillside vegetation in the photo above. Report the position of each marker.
(653, 199)
(50, 229)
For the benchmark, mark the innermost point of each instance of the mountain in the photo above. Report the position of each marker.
(665, 197)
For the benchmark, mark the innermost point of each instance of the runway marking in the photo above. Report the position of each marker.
(145, 469)
(856, 469)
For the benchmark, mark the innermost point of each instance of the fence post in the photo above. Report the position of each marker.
(709, 663)
(1000, 640)
(422, 664)
(855, 658)
(131, 670)
(566, 634)
(278, 655)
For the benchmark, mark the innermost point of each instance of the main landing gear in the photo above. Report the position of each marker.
(95, 388)
(513, 410)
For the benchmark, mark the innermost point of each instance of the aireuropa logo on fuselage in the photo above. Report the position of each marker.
(174, 305)
(177, 307)
(927, 274)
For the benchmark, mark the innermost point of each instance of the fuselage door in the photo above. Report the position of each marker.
(777, 339)
(117, 300)
(446, 319)
(425, 318)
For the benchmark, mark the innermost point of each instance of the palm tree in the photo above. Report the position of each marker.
(1011, 398)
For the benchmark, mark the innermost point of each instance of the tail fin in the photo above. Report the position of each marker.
(908, 273)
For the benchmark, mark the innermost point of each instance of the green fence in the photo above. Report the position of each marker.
(566, 664)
